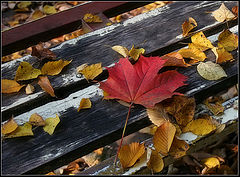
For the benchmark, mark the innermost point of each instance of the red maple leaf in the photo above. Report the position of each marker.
(140, 83)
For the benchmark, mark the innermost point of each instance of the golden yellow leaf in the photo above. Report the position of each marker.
(10, 86)
(129, 154)
(196, 46)
(200, 39)
(50, 173)
(187, 26)
(121, 50)
(25, 130)
(90, 18)
(13, 23)
(29, 89)
(211, 162)
(200, 127)
(51, 124)
(210, 70)
(47, 9)
(228, 40)
(54, 67)
(36, 120)
(37, 14)
(222, 55)
(81, 67)
(174, 59)
(85, 104)
(223, 13)
(92, 71)
(155, 162)
(25, 71)
(134, 53)
(178, 148)
(163, 137)
(9, 126)
(46, 85)
(193, 53)
(178, 130)
(24, 4)
(157, 115)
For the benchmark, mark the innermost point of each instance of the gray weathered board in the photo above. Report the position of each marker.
(78, 133)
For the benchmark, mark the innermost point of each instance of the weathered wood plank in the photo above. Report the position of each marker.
(94, 47)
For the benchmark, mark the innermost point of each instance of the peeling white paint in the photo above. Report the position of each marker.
(189, 137)
(228, 116)
(196, 89)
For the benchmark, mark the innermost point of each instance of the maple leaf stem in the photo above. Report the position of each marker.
(119, 147)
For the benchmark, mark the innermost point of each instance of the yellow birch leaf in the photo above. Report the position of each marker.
(29, 89)
(211, 162)
(25, 71)
(25, 130)
(46, 85)
(155, 162)
(10, 86)
(223, 13)
(85, 104)
(201, 40)
(92, 71)
(90, 18)
(222, 55)
(24, 4)
(121, 50)
(47, 9)
(163, 137)
(51, 124)
(54, 67)
(178, 148)
(9, 126)
(200, 127)
(187, 26)
(199, 47)
(129, 154)
(228, 40)
(134, 53)
(174, 59)
(211, 71)
(36, 120)
(37, 14)
(193, 53)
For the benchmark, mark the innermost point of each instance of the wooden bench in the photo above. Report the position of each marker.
(79, 133)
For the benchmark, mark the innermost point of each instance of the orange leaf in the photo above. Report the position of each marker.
(46, 85)
(9, 126)
(10, 86)
(155, 162)
(174, 59)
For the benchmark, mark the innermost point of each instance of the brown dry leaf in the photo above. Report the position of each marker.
(51, 124)
(10, 86)
(92, 71)
(36, 15)
(134, 53)
(13, 23)
(46, 85)
(54, 67)
(178, 130)
(228, 40)
(193, 53)
(155, 162)
(222, 55)
(178, 148)
(210, 70)
(157, 114)
(215, 107)
(25, 130)
(200, 127)
(211, 162)
(85, 104)
(200, 40)
(24, 4)
(42, 53)
(47, 9)
(20, 16)
(187, 26)
(36, 120)
(235, 10)
(29, 89)
(90, 18)
(9, 126)
(163, 137)
(25, 71)
(121, 50)
(129, 154)
(174, 59)
(223, 13)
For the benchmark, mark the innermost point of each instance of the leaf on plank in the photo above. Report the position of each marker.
(174, 59)
(228, 40)
(135, 53)
(36, 120)
(193, 53)
(223, 13)
(29, 89)
(25, 130)
(90, 18)
(211, 71)
(211, 162)
(9, 126)
(178, 148)
(155, 162)
(157, 114)
(215, 106)
(222, 55)
(54, 67)
(121, 50)
(92, 71)
(47, 9)
(201, 41)
(85, 104)
(10, 86)
(46, 85)
(24, 4)
(25, 71)
(51, 124)
(42, 53)
(188, 25)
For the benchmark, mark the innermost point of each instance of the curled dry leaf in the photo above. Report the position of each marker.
(42, 53)
(193, 53)
(129, 154)
(155, 162)
(90, 18)
(157, 115)
(235, 10)
(25, 71)
(215, 107)
(25, 130)
(47, 9)
(178, 148)
(222, 55)
(223, 13)
(46, 85)
(200, 127)
(9, 126)
(29, 89)
(211, 162)
(163, 137)
(121, 50)
(36, 120)
(54, 67)
(92, 71)
(228, 40)
(174, 59)
(81, 67)
(36, 15)
(211, 71)
(10, 86)
(135, 53)
(187, 26)
(51, 124)
(85, 104)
